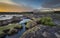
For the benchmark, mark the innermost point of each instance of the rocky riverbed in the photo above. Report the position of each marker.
(42, 31)
(34, 30)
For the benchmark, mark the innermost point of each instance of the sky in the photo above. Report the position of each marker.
(35, 3)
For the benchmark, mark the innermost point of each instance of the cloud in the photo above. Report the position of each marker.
(7, 1)
(39, 3)
(31, 3)
(51, 3)
(35, 3)
(4, 7)
(15, 2)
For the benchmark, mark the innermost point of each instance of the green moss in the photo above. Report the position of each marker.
(30, 24)
(47, 21)
(3, 29)
(32, 30)
(12, 31)
(2, 34)
(18, 27)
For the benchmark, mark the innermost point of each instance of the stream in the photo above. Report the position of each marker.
(20, 32)
(22, 23)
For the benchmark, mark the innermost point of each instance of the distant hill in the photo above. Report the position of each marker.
(4, 7)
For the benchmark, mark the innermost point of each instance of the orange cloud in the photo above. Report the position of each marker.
(13, 8)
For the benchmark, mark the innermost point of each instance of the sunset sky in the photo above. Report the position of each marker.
(35, 4)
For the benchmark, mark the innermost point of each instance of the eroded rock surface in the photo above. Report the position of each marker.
(41, 31)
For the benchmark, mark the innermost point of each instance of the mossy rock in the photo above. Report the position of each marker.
(6, 30)
(2, 35)
(46, 21)
(32, 30)
(18, 27)
(30, 24)
(12, 31)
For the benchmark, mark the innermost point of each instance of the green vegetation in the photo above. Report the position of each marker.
(9, 28)
(46, 21)
(30, 24)
(2, 34)
(32, 30)
(12, 31)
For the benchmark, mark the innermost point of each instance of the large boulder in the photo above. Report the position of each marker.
(41, 31)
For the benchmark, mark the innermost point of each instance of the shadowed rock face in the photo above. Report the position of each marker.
(41, 31)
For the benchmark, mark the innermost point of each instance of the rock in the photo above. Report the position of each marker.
(6, 31)
(41, 31)
(2, 35)
(57, 35)
(12, 32)
(49, 35)
(15, 19)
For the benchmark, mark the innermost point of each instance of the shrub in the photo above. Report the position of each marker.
(46, 21)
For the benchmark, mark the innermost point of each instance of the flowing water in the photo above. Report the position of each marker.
(20, 32)
(23, 30)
